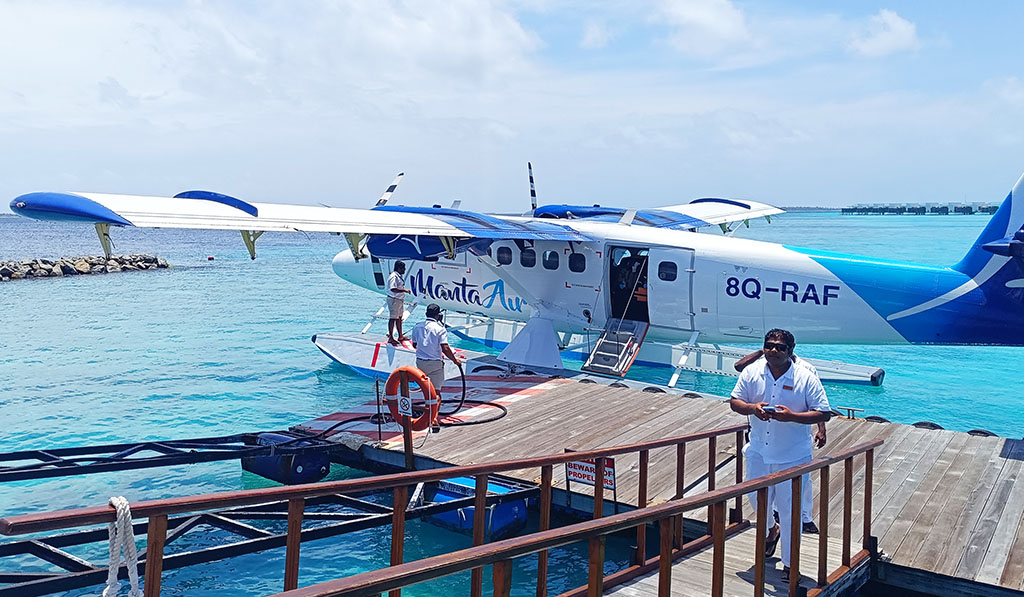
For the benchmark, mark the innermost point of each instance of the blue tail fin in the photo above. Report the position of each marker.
(1001, 229)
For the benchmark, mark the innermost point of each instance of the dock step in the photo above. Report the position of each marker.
(617, 348)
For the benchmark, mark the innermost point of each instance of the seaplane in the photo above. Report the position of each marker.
(617, 285)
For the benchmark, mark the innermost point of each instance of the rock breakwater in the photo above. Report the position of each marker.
(77, 266)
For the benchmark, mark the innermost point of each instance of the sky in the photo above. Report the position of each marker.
(630, 103)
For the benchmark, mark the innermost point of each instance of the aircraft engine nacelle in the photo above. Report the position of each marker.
(419, 248)
(359, 272)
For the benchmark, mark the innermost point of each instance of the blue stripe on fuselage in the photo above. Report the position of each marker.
(990, 314)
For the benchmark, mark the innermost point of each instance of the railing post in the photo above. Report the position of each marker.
(293, 542)
(823, 480)
(796, 488)
(399, 501)
(595, 583)
(759, 543)
(677, 524)
(476, 588)
(410, 456)
(156, 534)
(718, 556)
(545, 524)
(502, 578)
(665, 557)
(737, 514)
(598, 487)
(712, 458)
(847, 508)
(869, 469)
(641, 502)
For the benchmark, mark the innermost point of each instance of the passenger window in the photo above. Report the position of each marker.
(528, 258)
(550, 260)
(577, 262)
(504, 255)
(667, 271)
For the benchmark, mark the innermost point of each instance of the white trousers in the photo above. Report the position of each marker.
(781, 494)
(806, 500)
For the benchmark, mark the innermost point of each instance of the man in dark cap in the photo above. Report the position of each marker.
(430, 338)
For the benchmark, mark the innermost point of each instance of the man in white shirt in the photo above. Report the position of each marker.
(820, 438)
(779, 438)
(430, 338)
(396, 302)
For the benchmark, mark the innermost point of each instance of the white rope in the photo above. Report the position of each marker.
(122, 538)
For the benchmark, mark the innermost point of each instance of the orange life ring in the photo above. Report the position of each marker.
(430, 397)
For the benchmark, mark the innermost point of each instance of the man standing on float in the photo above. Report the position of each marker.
(782, 398)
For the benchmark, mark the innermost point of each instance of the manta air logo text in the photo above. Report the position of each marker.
(486, 296)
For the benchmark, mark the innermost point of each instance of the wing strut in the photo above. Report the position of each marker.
(103, 230)
(449, 245)
(249, 238)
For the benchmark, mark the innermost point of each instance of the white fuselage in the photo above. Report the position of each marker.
(728, 289)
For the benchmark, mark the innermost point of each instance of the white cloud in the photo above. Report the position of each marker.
(1009, 90)
(885, 33)
(705, 28)
(596, 35)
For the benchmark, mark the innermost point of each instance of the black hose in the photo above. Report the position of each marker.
(462, 401)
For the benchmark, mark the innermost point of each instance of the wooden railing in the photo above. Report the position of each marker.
(157, 511)
(502, 553)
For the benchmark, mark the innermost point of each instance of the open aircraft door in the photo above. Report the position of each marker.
(670, 287)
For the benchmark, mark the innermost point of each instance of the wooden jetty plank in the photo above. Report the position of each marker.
(988, 521)
(903, 511)
(949, 517)
(890, 497)
(965, 525)
(691, 576)
(892, 434)
(1013, 571)
(997, 554)
(935, 502)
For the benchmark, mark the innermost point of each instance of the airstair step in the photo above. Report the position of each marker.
(617, 347)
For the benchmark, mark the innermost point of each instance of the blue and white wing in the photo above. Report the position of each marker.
(433, 230)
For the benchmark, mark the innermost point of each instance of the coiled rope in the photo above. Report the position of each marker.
(122, 540)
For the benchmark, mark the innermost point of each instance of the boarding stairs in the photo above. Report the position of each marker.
(617, 348)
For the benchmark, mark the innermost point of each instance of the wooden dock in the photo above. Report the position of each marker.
(945, 503)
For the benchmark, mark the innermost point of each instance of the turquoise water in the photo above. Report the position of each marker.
(221, 347)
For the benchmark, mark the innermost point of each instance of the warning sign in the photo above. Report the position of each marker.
(405, 405)
(585, 471)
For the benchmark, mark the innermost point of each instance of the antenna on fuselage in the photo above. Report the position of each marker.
(391, 189)
(533, 189)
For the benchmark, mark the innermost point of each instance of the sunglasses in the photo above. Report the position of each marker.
(779, 346)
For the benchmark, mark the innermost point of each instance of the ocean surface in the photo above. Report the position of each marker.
(223, 346)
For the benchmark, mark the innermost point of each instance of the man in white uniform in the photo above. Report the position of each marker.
(430, 338)
(820, 438)
(396, 302)
(779, 438)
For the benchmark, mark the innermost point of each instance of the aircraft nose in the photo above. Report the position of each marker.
(347, 268)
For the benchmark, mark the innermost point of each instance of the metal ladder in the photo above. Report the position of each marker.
(617, 348)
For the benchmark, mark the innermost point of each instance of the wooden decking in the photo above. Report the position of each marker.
(692, 575)
(944, 502)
